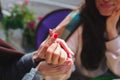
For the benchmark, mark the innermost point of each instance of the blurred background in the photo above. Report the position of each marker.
(42, 7)
(19, 19)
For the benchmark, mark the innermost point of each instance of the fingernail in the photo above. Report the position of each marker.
(50, 32)
(55, 35)
(70, 55)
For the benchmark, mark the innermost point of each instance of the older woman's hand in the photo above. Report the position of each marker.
(53, 70)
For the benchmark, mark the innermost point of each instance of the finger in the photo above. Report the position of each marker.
(51, 32)
(68, 69)
(47, 43)
(116, 13)
(64, 69)
(68, 64)
(65, 47)
(50, 51)
(119, 12)
(69, 61)
(42, 50)
(63, 57)
(55, 71)
(56, 55)
(51, 38)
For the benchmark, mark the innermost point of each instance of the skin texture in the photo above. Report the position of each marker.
(111, 9)
(53, 70)
(52, 51)
(106, 7)
(56, 54)
(55, 51)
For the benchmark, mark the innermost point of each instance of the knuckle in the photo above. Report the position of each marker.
(48, 61)
(56, 54)
(49, 52)
(55, 63)
(62, 59)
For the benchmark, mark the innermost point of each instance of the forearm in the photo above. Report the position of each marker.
(18, 69)
(113, 55)
(112, 34)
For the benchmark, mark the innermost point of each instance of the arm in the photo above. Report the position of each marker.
(18, 69)
(62, 26)
(32, 75)
(113, 55)
(113, 45)
(48, 70)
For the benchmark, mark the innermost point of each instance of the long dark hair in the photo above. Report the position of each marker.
(94, 27)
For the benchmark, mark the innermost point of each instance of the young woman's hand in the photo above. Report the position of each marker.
(53, 70)
(51, 51)
(54, 50)
(111, 24)
(55, 54)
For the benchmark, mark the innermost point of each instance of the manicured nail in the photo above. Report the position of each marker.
(55, 35)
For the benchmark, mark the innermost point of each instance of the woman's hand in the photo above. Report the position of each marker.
(53, 50)
(53, 70)
(111, 24)
(41, 52)
(55, 54)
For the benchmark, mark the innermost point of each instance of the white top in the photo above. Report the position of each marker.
(112, 55)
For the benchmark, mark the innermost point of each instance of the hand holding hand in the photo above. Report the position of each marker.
(41, 52)
(53, 50)
(53, 70)
(59, 56)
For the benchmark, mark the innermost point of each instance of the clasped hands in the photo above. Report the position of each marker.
(57, 56)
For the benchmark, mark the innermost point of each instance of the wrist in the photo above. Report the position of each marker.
(38, 68)
(37, 74)
(36, 57)
(112, 35)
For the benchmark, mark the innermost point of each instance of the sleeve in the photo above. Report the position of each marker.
(72, 42)
(74, 39)
(32, 75)
(18, 69)
(71, 25)
(113, 55)
(68, 24)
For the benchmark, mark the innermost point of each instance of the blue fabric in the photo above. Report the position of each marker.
(32, 75)
(27, 61)
(73, 24)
